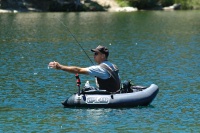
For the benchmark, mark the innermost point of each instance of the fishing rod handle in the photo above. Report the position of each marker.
(78, 81)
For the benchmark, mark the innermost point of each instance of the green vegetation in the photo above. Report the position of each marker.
(123, 3)
(189, 4)
(154, 4)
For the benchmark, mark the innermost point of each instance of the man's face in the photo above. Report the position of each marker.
(99, 57)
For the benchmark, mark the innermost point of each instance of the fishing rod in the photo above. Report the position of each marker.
(76, 40)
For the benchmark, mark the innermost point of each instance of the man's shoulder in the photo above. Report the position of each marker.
(92, 67)
(109, 64)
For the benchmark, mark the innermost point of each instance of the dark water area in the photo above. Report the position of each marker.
(148, 47)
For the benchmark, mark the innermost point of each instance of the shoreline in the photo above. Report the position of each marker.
(121, 9)
(108, 6)
(8, 11)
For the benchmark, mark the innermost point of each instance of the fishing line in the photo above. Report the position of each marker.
(76, 40)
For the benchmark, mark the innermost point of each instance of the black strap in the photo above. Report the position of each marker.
(111, 72)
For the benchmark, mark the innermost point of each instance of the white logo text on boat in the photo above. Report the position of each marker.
(97, 99)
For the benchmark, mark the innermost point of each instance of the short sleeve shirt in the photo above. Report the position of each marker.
(97, 71)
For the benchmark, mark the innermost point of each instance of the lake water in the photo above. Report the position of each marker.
(148, 47)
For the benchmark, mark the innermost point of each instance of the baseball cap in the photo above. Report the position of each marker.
(101, 49)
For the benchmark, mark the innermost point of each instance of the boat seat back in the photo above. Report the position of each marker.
(127, 87)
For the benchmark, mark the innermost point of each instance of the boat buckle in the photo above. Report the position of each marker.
(78, 97)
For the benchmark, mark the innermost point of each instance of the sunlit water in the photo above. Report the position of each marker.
(148, 47)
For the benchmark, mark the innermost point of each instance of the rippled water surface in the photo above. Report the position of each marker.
(148, 47)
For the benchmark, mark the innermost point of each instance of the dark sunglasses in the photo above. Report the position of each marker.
(95, 54)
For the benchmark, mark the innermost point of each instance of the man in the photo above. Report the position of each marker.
(105, 72)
